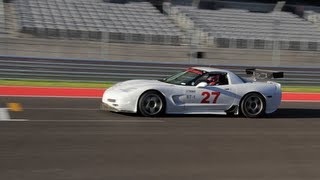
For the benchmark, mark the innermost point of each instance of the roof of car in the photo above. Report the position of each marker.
(210, 69)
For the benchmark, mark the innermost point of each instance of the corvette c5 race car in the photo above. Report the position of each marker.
(197, 90)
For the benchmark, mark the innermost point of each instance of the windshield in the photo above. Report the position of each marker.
(185, 77)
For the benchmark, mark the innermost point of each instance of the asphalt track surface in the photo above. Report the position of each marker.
(70, 139)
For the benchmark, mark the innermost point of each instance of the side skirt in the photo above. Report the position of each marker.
(233, 110)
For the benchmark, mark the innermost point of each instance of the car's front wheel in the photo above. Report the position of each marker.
(253, 105)
(151, 103)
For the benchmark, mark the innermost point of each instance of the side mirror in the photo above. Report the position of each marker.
(202, 85)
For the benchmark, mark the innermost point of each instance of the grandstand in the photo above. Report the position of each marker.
(2, 19)
(313, 17)
(243, 29)
(138, 31)
(138, 22)
(182, 2)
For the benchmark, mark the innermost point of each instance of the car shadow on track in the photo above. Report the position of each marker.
(282, 113)
(295, 113)
(172, 116)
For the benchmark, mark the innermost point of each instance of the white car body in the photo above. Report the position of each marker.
(184, 99)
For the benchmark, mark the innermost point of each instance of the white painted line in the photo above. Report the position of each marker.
(14, 120)
(88, 120)
(72, 109)
(48, 87)
(69, 97)
(4, 114)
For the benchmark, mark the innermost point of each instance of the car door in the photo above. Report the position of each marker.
(214, 98)
(204, 99)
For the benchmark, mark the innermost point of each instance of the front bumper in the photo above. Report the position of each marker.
(106, 107)
(118, 101)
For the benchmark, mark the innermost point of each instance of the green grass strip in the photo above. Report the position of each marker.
(311, 89)
(55, 84)
(39, 83)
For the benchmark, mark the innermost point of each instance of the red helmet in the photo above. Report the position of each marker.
(213, 79)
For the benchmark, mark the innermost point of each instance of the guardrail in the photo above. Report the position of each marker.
(30, 68)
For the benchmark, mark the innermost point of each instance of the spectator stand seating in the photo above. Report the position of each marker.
(2, 19)
(238, 28)
(137, 22)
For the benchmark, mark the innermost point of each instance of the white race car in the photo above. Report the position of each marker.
(197, 90)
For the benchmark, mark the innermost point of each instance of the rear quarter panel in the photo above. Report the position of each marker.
(271, 91)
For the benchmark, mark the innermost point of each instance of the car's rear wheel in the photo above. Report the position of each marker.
(253, 105)
(151, 103)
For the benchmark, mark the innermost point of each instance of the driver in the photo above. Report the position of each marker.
(213, 80)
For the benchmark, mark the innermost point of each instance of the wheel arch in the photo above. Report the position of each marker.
(152, 90)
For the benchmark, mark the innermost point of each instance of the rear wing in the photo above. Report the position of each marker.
(261, 74)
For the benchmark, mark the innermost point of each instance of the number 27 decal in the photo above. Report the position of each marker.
(207, 96)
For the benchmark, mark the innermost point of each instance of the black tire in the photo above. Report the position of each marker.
(253, 105)
(151, 104)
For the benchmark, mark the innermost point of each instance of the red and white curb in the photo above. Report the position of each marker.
(300, 97)
(27, 91)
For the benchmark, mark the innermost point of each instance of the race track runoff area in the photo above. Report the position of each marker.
(61, 138)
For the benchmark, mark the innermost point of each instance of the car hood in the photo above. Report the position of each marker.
(139, 83)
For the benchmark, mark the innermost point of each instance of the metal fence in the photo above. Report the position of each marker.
(85, 70)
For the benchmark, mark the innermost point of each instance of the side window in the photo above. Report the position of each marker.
(217, 79)
(223, 80)
(203, 78)
(213, 79)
